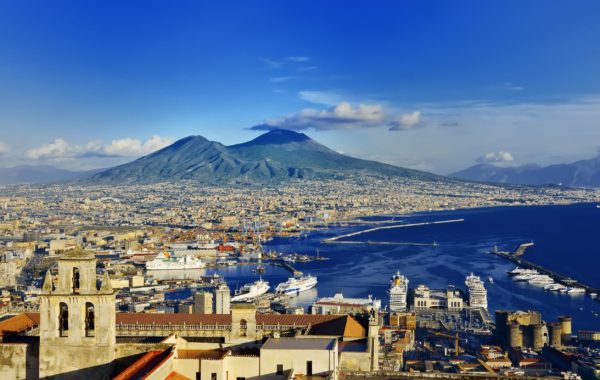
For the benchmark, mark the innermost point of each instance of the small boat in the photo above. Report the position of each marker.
(490, 279)
(575, 290)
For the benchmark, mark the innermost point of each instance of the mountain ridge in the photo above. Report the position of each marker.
(582, 173)
(275, 156)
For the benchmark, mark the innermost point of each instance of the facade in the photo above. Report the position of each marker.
(203, 302)
(77, 319)
(449, 298)
(223, 300)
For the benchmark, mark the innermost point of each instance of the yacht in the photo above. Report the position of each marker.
(297, 285)
(575, 290)
(398, 291)
(477, 292)
(540, 279)
(251, 291)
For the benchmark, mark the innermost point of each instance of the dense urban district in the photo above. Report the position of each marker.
(82, 295)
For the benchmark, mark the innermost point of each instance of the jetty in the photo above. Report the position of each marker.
(340, 238)
(515, 256)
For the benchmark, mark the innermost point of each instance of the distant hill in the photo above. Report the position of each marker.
(584, 173)
(274, 156)
(36, 174)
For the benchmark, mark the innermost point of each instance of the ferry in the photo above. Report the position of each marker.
(296, 285)
(398, 291)
(165, 262)
(251, 291)
(477, 292)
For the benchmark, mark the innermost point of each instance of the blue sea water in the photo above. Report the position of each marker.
(566, 238)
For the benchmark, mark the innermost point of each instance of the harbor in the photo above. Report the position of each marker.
(515, 257)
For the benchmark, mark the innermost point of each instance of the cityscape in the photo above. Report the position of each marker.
(344, 240)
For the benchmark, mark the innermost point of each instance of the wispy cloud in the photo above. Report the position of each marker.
(321, 97)
(298, 59)
(4, 148)
(60, 149)
(280, 79)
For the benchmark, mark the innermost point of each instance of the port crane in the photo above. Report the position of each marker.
(447, 336)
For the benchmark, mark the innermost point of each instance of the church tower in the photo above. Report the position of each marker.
(77, 320)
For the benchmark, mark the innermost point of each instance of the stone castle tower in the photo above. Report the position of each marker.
(77, 320)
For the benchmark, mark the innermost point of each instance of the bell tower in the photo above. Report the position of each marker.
(77, 320)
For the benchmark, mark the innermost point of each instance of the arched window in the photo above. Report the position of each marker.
(63, 319)
(90, 319)
(75, 280)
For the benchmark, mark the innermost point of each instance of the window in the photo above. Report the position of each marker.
(213, 376)
(63, 319)
(240, 378)
(198, 375)
(90, 319)
(309, 368)
(75, 280)
(279, 369)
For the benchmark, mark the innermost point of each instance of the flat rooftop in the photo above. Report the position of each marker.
(298, 344)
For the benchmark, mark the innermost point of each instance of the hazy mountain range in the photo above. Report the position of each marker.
(36, 174)
(277, 155)
(584, 173)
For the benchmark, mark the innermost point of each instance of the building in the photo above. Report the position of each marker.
(223, 299)
(526, 329)
(203, 302)
(80, 335)
(449, 298)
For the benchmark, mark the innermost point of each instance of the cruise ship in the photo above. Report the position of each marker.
(297, 285)
(398, 291)
(251, 291)
(165, 262)
(477, 292)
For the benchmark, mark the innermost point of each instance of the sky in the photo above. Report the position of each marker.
(430, 85)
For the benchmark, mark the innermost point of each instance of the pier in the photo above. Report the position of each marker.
(516, 257)
(434, 244)
(338, 239)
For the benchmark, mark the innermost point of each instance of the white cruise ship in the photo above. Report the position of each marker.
(251, 291)
(165, 262)
(398, 291)
(477, 292)
(297, 285)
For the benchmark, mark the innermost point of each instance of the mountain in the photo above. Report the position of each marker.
(277, 155)
(584, 173)
(39, 174)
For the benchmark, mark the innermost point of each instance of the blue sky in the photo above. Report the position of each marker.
(425, 84)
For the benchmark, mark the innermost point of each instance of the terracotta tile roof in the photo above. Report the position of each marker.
(342, 326)
(200, 354)
(144, 365)
(176, 319)
(290, 319)
(18, 323)
(176, 376)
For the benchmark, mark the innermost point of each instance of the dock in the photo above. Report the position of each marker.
(342, 237)
(516, 257)
(434, 244)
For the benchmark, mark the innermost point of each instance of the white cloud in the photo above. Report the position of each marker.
(60, 149)
(500, 157)
(406, 121)
(341, 116)
(4, 148)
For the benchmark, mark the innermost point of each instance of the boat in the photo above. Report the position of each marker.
(522, 271)
(477, 292)
(490, 279)
(165, 262)
(555, 287)
(296, 285)
(525, 277)
(575, 290)
(398, 291)
(251, 291)
(540, 279)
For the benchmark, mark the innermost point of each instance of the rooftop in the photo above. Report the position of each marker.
(299, 344)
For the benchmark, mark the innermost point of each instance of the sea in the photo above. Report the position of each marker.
(566, 239)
